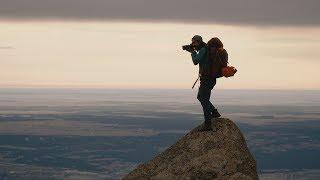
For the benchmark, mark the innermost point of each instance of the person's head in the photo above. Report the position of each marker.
(197, 41)
(215, 42)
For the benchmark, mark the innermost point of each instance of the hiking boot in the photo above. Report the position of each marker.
(215, 113)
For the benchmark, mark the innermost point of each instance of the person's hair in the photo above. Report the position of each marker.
(197, 38)
(215, 42)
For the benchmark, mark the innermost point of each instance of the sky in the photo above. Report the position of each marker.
(137, 43)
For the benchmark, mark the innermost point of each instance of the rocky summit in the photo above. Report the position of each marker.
(222, 154)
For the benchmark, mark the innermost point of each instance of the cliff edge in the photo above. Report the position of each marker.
(203, 155)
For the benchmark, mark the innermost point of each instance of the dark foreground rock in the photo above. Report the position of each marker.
(203, 155)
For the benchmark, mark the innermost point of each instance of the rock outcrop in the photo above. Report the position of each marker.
(203, 155)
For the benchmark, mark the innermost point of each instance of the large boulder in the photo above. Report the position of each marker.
(203, 155)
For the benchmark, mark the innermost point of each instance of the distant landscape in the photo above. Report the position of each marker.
(105, 133)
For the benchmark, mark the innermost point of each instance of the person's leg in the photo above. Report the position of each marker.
(214, 111)
(212, 84)
(204, 98)
(211, 106)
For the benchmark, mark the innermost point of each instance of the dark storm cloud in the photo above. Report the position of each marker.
(250, 12)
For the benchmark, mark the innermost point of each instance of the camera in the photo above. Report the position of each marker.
(188, 47)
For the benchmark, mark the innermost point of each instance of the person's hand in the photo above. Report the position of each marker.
(191, 50)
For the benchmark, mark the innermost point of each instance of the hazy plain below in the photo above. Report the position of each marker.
(105, 133)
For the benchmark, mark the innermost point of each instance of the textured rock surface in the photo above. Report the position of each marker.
(203, 155)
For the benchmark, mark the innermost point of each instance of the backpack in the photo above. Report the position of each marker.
(218, 60)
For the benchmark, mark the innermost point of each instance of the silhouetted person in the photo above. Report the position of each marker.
(207, 81)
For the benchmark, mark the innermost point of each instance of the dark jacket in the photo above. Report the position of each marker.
(201, 58)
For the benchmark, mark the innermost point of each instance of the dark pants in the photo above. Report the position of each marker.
(206, 85)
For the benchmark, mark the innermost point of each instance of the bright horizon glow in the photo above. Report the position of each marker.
(149, 55)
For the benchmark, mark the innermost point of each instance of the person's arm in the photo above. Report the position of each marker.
(197, 58)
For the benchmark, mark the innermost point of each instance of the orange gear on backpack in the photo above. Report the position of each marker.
(228, 71)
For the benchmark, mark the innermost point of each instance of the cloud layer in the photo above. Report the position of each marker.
(242, 12)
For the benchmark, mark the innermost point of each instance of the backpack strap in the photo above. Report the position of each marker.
(195, 81)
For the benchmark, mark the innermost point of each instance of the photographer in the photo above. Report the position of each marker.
(207, 82)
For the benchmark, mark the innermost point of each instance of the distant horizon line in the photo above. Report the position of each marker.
(147, 88)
